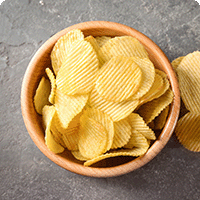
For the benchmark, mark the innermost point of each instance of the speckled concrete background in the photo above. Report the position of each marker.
(25, 173)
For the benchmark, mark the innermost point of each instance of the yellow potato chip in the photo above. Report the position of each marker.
(71, 140)
(137, 139)
(153, 108)
(189, 81)
(78, 155)
(62, 47)
(160, 120)
(122, 133)
(101, 40)
(155, 88)
(118, 79)
(42, 95)
(188, 131)
(47, 116)
(123, 46)
(105, 121)
(53, 85)
(78, 71)
(135, 152)
(175, 63)
(117, 111)
(148, 75)
(137, 123)
(92, 138)
(69, 106)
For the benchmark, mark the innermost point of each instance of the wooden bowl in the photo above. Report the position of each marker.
(36, 69)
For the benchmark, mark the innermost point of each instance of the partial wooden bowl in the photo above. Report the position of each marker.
(36, 69)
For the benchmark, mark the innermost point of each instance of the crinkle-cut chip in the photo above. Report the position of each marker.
(153, 108)
(69, 106)
(122, 133)
(117, 111)
(42, 94)
(188, 131)
(53, 85)
(189, 81)
(175, 63)
(118, 79)
(78, 72)
(157, 85)
(101, 40)
(123, 46)
(78, 155)
(92, 138)
(62, 48)
(71, 140)
(148, 75)
(105, 120)
(135, 152)
(137, 139)
(96, 47)
(138, 123)
(161, 119)
(47, 116)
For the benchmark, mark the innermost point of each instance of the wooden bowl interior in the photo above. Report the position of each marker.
(108, 167)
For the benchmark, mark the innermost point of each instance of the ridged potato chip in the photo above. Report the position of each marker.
(153, 108)
(104, 120)
(101, 40)
(189, 81)
(175, 63)
(160, 120)
(188, 131)
(47, 116)
(138, 123)
(148, 75)
(78, 155)
(137, 139)
(118, 79)
(122, 133)
(42, 95)
(62, 47)
(69, 106)
(117, 111)
(78, 71)
(92, 138)
(53, 85)
(123, 46)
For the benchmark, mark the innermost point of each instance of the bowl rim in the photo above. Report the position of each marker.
(107, 171)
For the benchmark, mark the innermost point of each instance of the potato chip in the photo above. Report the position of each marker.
(160, 121)
(92, 138)
(123, 46)
(137, 139)
(42, 95)
(62, 47)
(189, 81)
(175, 63)
(138, 123)
(71, 140)
(155, 88)
(122, 133)
(69, 106)
(78, 155)
(148, 74)
(78, 71)
(101, 40)
(104, 120)
(117, 111)
(96, 47)
(53, 85)
(153, 108)
(47, 116)
(188, 131)
(118, 79)
(135, 152)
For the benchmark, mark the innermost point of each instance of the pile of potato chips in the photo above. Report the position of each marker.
(188, 127)
(101, 97)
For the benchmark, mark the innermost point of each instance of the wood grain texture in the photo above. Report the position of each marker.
(36, 69)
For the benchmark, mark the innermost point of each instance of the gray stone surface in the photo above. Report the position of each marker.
(25, 173)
